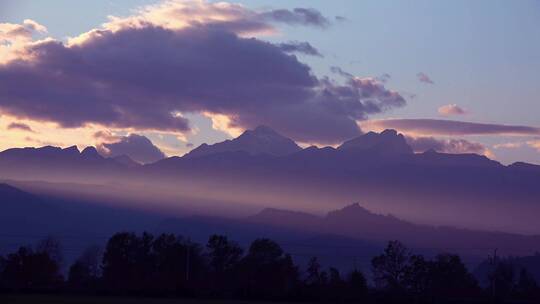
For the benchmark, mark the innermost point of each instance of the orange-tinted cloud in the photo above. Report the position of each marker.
(451, 109)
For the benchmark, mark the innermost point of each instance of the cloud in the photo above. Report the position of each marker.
(105, 136)
(142, 72)
(384, 77)
(451, 109)
(449, 127)
(19, 126)
(534, 144)
(339, 71)
(299, 47)
(138, 147)
(509, 145)
(181, 14)
(13, 38)
(455, 146)
(12, 31)
(301, 16)
(422, 77)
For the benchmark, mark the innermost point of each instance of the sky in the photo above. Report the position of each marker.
(187, 72)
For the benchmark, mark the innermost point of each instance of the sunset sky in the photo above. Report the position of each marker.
(457, 76)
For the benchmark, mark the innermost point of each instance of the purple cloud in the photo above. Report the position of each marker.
(137, 147)
(422, 77)
(456, 146)
(299, 47)
(451, 127)
(144, 77)
(298, 16)
(19, 126)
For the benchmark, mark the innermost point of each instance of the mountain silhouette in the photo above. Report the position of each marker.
(387, 142)
(258, 141)
(126, 160)
(261, 166)
(355, 221)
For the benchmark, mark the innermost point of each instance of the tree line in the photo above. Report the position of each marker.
(170, 265)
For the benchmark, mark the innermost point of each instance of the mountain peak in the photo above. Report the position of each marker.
(126, 160)
(262, 129)
(351, 210)
(387, 142)
(90, 152)
(72, 150)
(263, 132)
(261, 140)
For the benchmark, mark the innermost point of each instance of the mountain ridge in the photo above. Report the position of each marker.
(258, 141)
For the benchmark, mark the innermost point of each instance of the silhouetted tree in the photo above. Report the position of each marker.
(128, 262)
(335, 277)
(85, 272)
(224, 258)
(526, 287)
(313, 273)
(418, 275)
(27, 269)
(448, 277)
(502, 279)
(389, 268)
(179, 265)
(2, 267)
(357, 285)
(52, 247)
(266, 271)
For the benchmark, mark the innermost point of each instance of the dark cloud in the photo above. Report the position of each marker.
(19, 126)
(137, 147)
(421, 144)
(422, 77)
(451, 127)
(339, 71)
(143, 77)
(298, 16)
(299, 47)
(384, 78)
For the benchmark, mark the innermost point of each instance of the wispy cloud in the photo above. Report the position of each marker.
(423, 77)
(299, 47)
(456, 146)
(19, 126)
(450, 127)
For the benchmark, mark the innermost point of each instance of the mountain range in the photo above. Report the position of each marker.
(262, 168)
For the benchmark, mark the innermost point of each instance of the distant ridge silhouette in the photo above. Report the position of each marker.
(355, 221)
(258, 141)
(388, 141)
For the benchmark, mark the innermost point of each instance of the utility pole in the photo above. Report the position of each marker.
(187, 262)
